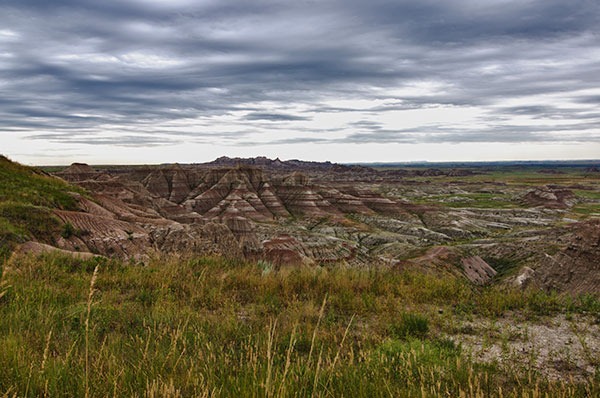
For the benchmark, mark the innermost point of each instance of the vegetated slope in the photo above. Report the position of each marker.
(28, 198)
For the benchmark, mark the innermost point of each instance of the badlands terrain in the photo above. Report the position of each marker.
(522, 224)
(260, 277)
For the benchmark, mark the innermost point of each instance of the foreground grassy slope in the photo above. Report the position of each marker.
(209, 327)
(27, 197)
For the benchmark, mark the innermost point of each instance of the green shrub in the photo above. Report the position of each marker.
(68, 230)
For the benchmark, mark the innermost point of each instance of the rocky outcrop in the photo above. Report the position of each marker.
(524, 277)
(243, 229)
(272, 201)
(157, 184)
(241, 191)
(375, 201)
(345, 202)
(102, 235)
(79, 172)
(293, 212)
(550, 198)
(437, 259)
(255, 196)
(449, 260)
(477, 270)
(576, 268)
(36, 249)
(264, 162)
(180, 185)
(247, 191)
(284, 250)
(207, 239)
(303, 201)
(172, 182)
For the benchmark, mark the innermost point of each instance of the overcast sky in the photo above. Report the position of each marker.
(151, 81)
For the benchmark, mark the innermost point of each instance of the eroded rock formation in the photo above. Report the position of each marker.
(294, 212)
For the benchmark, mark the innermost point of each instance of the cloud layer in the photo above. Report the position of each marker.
(232, 74)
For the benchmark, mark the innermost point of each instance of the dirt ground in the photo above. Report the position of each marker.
(560, 347)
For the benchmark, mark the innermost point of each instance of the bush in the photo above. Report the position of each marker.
(68, 231)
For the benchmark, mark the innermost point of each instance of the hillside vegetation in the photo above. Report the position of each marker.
(210, 327)
(27, 197)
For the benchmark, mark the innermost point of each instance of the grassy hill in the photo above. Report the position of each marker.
(27, 197)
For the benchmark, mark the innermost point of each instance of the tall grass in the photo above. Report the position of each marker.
(211, 328)
(87, 330)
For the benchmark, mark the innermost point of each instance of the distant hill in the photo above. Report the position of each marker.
(589, 163)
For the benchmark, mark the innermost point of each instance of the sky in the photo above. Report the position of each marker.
(158, 81)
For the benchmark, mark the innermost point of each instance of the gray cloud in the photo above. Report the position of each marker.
(123, 140)
(274, 117)
(71, 68)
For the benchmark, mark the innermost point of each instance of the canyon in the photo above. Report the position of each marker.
(476, 223)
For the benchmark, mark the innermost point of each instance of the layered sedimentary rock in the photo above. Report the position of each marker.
(301, 198)
(36, 248)
(173, 183)
(158, 184)
(239, 191)
(293, 212)
(345, 202)
(576, 268)
(243, 230)
(284, 250)
(236, 198)
(477, 270)
(181, 185)
(375, 202)
(550, 198)
(79, 172)
(248, 191)
(272, 201)
(304, 213)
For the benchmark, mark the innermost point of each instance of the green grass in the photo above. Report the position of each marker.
(27, 199)
(526, 176)
(410, 325)
(591, 195)
(211, 327)
(587, 209)
(22, 184)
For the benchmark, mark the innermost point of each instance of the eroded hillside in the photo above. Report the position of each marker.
(520, 226)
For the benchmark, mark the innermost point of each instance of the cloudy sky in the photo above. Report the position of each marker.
(151, 81)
